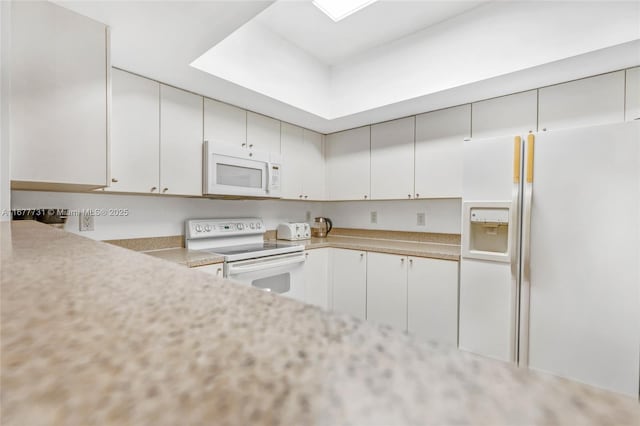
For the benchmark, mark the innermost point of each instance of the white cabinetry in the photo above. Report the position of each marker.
(505, 116)
(180, 142)
(303, 174)
(224, 123)
(135, 133)
(349, 282)
(392, 159)
(316, 278)
(60, 93)
(433, 299)
(632, 97)
(387, 289)
(581, 103)
(348, 164)
(263, 133)
(438, 153)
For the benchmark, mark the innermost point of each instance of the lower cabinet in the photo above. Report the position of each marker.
(387, 289)
(432, 297)
(316, 278)
(349, 282)
(413, 294)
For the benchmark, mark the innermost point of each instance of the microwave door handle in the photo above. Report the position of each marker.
(267, 178)
(234, 270)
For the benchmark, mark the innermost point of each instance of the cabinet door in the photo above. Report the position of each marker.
(293, 161)
(348, 164)
(581, 103)
(349, 282)
(632, 97)
(135, 133)
(387, 289)
(438, 158)
(59, 83)
(263, 133)
(313, 176)
(224, 123)
(432, 312)
(392, 159)
(505, 116)
(180, 142)
(316, 277)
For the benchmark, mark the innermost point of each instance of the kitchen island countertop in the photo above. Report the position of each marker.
(96, 334)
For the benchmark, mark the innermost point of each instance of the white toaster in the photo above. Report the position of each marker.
(293, 231)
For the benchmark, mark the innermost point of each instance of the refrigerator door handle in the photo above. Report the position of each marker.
(514, 238)
(525, 282)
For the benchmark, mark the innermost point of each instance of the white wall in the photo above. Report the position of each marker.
(153, 216)
(442, 216)
(5, 164)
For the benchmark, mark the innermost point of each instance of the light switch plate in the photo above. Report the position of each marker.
(421, 219)
(374, 217)
(86, 222)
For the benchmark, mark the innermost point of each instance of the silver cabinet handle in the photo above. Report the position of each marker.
(306, 196)
(244, 144)
(410, 261)
(409, 195)
(153, 188)
(417, 195)
(251, 154)
(165, 189)
(306, 254)
(250, 145)
(402, 260)
(300, 195)
(114, 180)
(365, 196)
(361, 255)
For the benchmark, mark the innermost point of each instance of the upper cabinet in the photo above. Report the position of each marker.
(263, 133)
(392, 159)
(224, 123)
(180, 142)
(135, 133)
(632, 96)
(348, 164)
(60, 95)
(581, 103)
(314, 179)
(438, 154)
(505, 116)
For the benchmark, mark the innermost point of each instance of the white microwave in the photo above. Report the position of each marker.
(238, 172)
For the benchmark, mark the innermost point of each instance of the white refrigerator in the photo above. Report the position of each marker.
(550, 265)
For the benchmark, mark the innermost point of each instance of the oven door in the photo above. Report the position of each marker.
(280, 274)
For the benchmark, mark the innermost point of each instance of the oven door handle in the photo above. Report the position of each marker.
(258, 266)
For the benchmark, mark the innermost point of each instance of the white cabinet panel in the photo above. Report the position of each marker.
(387, 289)
(135, 133)
(580, 103)
(263, 133)
(392, 159)
(314, 167)
(438, 154)
(316, 277)
(505, 116)
(180, 142)
(59, 80)
(224, 123)
(349, 282)
(348, 164)
(432, 311)
(303, 175)
(292, 161)
(632, 96)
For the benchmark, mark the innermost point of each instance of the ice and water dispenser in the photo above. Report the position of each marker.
(487, 232)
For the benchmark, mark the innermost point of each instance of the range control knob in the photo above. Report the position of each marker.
(240, 226)
(252, 225)
(259, 225)
(198, 228)
(207, 228)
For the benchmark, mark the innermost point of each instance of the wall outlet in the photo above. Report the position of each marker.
(308, 217)
(374, 217)
(86, 222)
(422, 219)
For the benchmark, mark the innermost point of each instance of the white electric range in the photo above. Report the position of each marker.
(248, 259)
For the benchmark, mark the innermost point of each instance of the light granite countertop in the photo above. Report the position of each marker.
(96, 334)
(183, 256)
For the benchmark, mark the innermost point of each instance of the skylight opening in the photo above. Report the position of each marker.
(340, 9)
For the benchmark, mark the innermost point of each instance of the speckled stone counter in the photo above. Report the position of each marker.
(183, 256)
(403, 248)
(96, 334)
